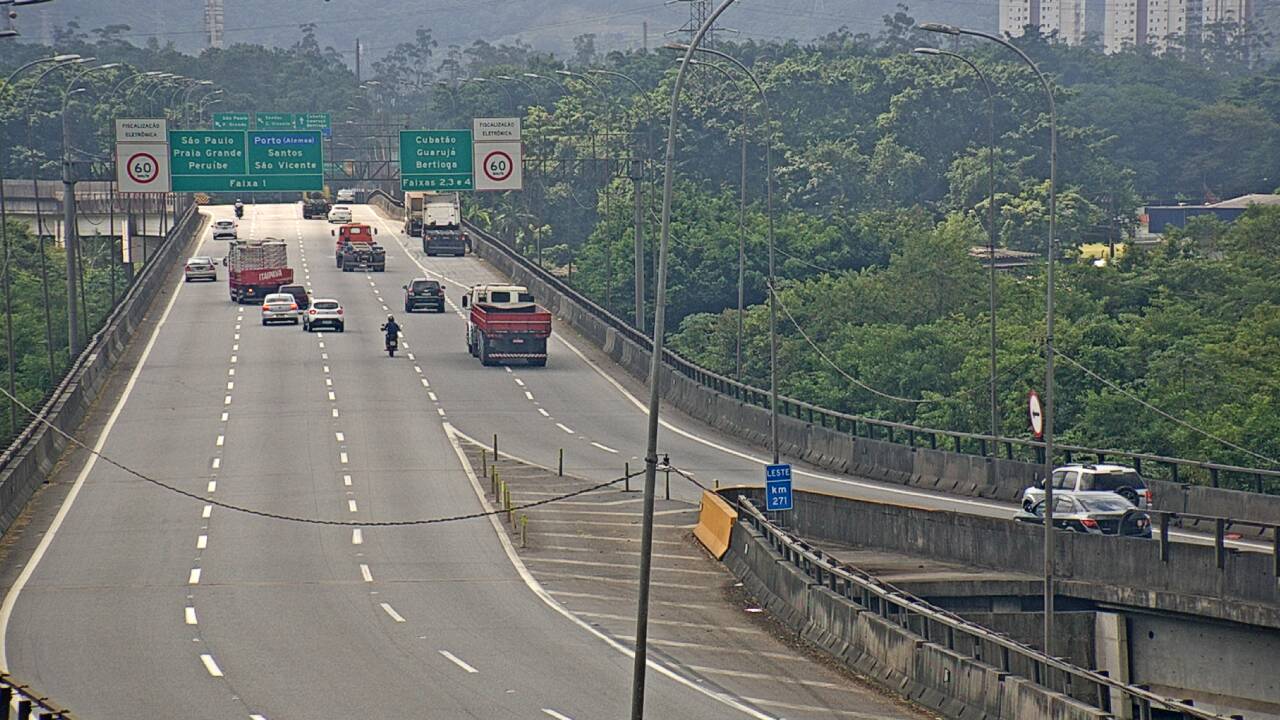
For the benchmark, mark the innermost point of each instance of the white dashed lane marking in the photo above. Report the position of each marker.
(190, 615)
(457, 661)
(365, 573)
(544, 412)
(605, 448)
(194, 577)
(386, 607)
(565, 428)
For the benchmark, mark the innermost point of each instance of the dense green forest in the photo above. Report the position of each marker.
(880, 183)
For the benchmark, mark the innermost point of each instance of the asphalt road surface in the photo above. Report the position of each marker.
(141, 602)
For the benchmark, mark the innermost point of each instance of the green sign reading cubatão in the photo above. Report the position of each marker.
(435, 160)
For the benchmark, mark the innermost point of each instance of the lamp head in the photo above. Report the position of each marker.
(943, 28)
(675, 46)
(927, 51)
(64, 58)
(504, 77)
(566, 73)
(535, 76)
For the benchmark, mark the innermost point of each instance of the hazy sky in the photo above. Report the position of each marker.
(546, 24)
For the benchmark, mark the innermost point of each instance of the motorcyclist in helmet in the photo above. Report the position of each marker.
(239, 208)
(391, 328)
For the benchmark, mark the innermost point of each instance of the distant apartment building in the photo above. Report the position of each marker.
(1124, 23)
(1066, 18)
(1130, 23)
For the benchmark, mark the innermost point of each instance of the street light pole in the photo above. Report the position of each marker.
(773, 286)
(655, 378)
(8, 271)
(1048, 322)
(991, 243)
(742, 227)
(70, 233)
(637, 178)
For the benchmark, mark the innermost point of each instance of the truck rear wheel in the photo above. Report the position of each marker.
(484, 352)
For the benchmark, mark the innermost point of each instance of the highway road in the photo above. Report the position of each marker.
(145, 603)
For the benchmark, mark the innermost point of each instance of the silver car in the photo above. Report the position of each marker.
(224, 230)
(280, 307)
(324, 312)
(200, 268)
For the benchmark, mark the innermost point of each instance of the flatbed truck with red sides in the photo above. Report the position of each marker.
(504, 325)
(257, 268)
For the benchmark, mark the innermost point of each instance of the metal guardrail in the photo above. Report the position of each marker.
(19, 698)
(921, 617)
(1220, 527)
(1179, 470)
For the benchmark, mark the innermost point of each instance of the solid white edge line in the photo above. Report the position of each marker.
(457, 661)
(11, 597)
(555, 605)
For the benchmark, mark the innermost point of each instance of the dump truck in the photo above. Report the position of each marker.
(257, 268)
(442, 232)
(314, 205)
(413, 205)
(504, 324)
(357, 250)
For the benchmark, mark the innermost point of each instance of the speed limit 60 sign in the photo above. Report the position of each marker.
(142, 167)
(498, 165)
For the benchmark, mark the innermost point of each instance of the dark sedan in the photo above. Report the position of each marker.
(1096, 513)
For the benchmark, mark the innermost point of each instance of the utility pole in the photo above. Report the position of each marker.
(71, 241)
(637, 182)
(357, 61)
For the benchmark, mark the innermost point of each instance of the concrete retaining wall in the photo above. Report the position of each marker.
(1124, 571)
(944, 680)
(27, 462)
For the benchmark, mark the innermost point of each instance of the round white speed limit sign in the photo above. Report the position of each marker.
(143, 168)
(498, 166)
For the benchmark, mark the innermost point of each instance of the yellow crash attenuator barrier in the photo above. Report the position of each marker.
(715, 521)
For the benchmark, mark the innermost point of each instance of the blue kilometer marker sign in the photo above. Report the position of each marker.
(777, 487)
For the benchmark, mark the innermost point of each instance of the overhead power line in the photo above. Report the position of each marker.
(295, 518)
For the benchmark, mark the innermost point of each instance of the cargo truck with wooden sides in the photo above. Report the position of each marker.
(504, 324)
(257, 268)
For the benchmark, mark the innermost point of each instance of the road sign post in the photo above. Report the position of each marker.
(436, 160)
(498, 154)
(253, 161)
(777, 487)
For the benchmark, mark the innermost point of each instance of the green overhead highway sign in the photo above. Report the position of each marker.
(310, 121)
(435, 160)
(273, 121)
(239, 161)
(231, 121)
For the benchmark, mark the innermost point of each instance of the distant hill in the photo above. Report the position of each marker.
(545, 24)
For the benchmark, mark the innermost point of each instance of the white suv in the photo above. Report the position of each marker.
(1119, 479)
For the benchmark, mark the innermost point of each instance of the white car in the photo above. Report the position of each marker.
(347, 195)
(224, 230)
(324, 311)
(340, 214)
(200, 267)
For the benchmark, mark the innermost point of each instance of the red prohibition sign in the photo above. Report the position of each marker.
(143, 168)
(498, 166)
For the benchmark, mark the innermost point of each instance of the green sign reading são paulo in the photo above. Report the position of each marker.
(435, 160)
(246, 161)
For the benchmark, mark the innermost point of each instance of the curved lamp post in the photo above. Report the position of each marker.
(655, 375)
(1048, 322)
(991, 234)
(772, 283)
(4, 240)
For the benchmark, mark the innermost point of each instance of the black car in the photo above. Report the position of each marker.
(1095, 513)
(423, 293)
(299, 294)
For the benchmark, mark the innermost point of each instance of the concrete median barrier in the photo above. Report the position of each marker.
(715, 523)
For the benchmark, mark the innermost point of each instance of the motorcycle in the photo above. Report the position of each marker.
(392, 344)
(239, 211)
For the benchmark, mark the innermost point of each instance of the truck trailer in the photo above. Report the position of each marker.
(257, 268)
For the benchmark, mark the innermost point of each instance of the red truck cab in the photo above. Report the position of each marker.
(505, 324)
